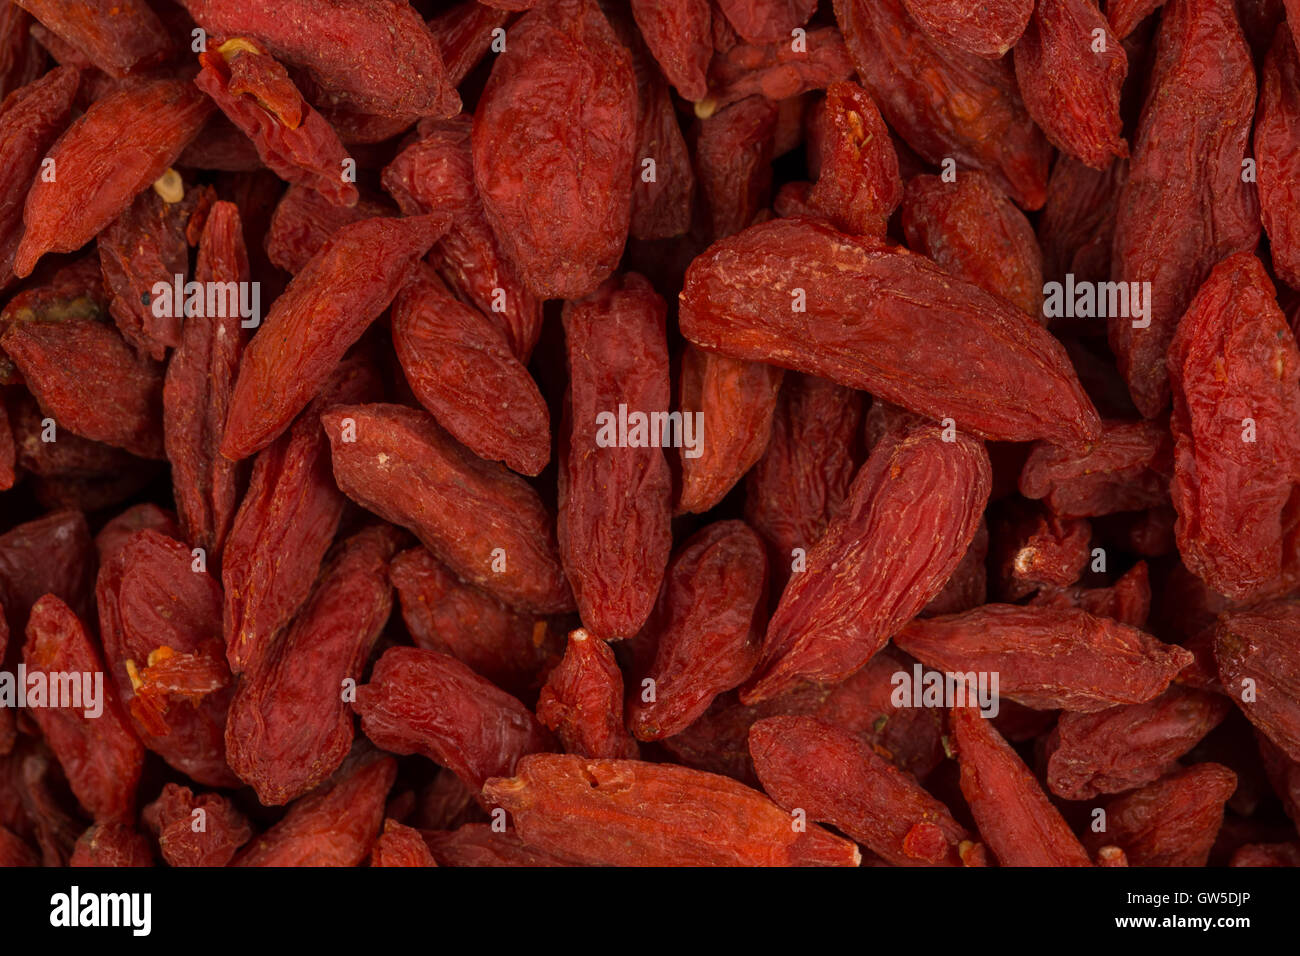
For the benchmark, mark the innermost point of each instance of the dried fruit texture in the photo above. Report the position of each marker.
(1258, 664)
(734, 402)
(615, 498)
(1048, 658)
(290, 726)
(485, 523)
(805, 472)
(323, 312)
(762, 21)
(31, 118)
(401, 845)
(662, 191)
(778, 70)
(478, 844)
(837, 778)
(1031, 549)
(1125, 15)
(968, 586)
(1127, 469)
(1128, 600)
(986, 29)
(582, 701)
(1014, 816)
(294, 141)
(554, 136)
(21, 58)
(1070, 77)
(334, 825)
(1172, 822)
(779, 292)
(1184, 206)
(285, 523)
(111, 844)
(117, 36)
(52, 554)
(1277, 130)
(733, 160)
(885, 554)
(1077, 226)
(461, 368)
(1235, 373)
(377, 57)
(1267, 854)
(944, 102)
(464, 34)
(436, 174)
(143, 246)
(678, 33)
(197, 388)
(158, 616)
(971, 229)
(109, 154)
(196, 830)
(443, 613)
(858, 186)
(1129, 746)
(629, 813)
(707, 627)
(98, 752)
(14, 850)
(74, 291)
(304, 220)
(423, 702)
(89, 381)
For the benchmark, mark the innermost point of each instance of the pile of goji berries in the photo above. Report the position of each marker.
(711, 432)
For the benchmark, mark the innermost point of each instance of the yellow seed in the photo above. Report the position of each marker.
(170, 187)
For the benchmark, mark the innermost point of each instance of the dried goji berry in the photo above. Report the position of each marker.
(582, 701)
(988, 29)
(117, 36)
(484, 522)
(1258, 664)
(196, 830)
(423, 702)
(323, 312)
(120, 145)
(554, 135)
(615, 493)
(1277, 131)
(678, 34)
(1046, 657)
(625, 812)
(836, 778)
(1186, 204)
(885, 554)
(778, 293)
(399, 845)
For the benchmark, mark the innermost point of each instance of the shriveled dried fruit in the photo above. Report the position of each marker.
(1070, 69)
(733, 402)
(120, 145)
(629, 813)
(424, 702)
(582, 701)
(1171, 822)
(1259, 666)
(1014, 816)
(322, 313)
(678, 34)
(1277, 131)
(1048, 658)
(1123, 747)
(858, 186)
(885, 554)
(988, 29)
(796, 293)
(88, 732)
(400, 845)
(485, 523)
(554, 135)
(1185, 204)
(1235, 373)
(615, 494)
(196, 830)
(947, 103)
(837, 778)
